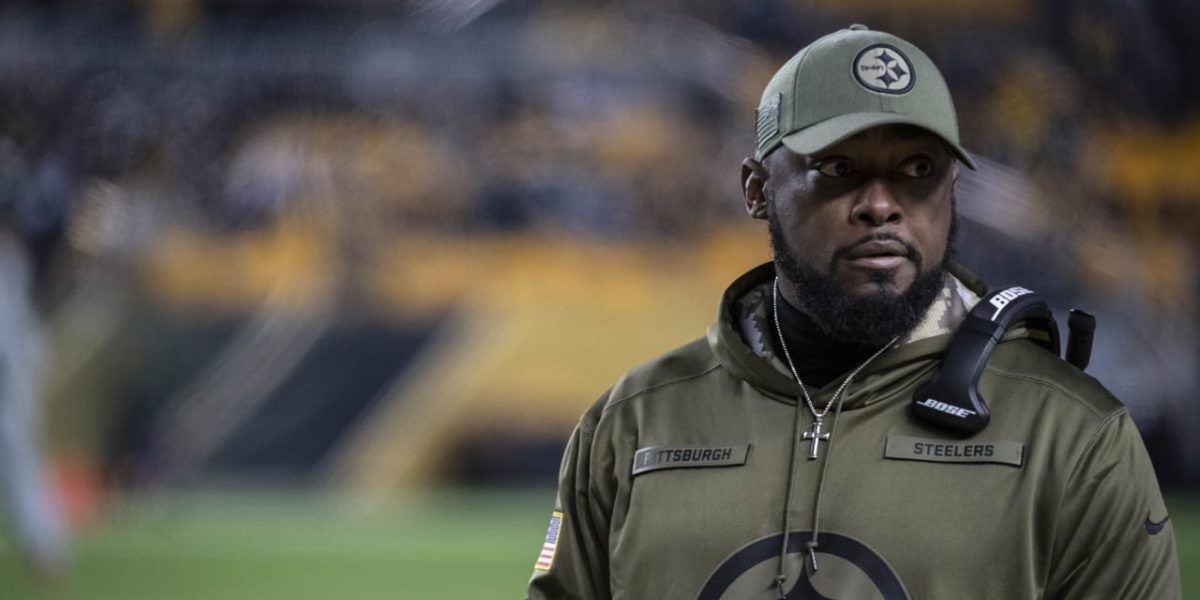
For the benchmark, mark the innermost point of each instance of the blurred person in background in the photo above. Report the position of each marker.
(29, 502)
(795, 452)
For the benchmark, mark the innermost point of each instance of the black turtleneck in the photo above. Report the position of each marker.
(819, 358)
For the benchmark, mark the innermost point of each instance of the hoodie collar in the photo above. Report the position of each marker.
(743, 336)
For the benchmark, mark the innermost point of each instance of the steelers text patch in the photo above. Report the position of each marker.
(954, 451)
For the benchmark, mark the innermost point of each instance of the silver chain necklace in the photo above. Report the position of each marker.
(814, 435)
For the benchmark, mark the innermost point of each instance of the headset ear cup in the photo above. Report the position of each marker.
(951, 399)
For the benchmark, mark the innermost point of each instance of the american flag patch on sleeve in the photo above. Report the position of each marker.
(546, 558)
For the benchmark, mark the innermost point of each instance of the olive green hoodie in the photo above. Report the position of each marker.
(690, 479)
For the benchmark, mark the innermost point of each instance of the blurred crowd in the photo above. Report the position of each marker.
(538, 114)
(214, 157)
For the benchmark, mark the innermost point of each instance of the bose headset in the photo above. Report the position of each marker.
(951, 399)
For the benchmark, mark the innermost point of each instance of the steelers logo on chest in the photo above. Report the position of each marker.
(884, 69)
(850, 570)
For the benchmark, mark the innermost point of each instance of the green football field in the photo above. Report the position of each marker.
(448, 545)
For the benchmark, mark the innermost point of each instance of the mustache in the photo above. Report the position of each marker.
(910, 251)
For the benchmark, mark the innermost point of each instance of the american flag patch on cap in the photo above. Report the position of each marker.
(546, 558)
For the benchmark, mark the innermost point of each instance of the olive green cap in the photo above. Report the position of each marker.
(850, 81)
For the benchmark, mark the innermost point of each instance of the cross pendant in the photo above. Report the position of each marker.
(815, 437)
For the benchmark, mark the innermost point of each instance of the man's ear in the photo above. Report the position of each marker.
(754, 180)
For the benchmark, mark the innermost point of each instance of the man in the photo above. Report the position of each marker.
(779, 457)
(25, 493)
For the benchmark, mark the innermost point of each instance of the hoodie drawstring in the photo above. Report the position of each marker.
(837, 399)
(813, 542)
(781, 575)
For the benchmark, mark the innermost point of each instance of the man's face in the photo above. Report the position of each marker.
(861, 229)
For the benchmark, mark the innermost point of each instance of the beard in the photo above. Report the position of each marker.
(868, 321)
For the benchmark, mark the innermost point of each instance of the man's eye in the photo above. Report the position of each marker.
(918, 169)
(835, 167)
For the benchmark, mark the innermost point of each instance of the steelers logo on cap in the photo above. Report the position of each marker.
(884, 69)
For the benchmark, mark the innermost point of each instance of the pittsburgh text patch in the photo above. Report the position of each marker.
(654, 458)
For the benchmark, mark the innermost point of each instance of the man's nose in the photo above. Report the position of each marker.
(876, 205)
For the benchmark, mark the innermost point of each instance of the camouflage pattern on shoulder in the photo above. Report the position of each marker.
(946, 313)
(757, 326)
